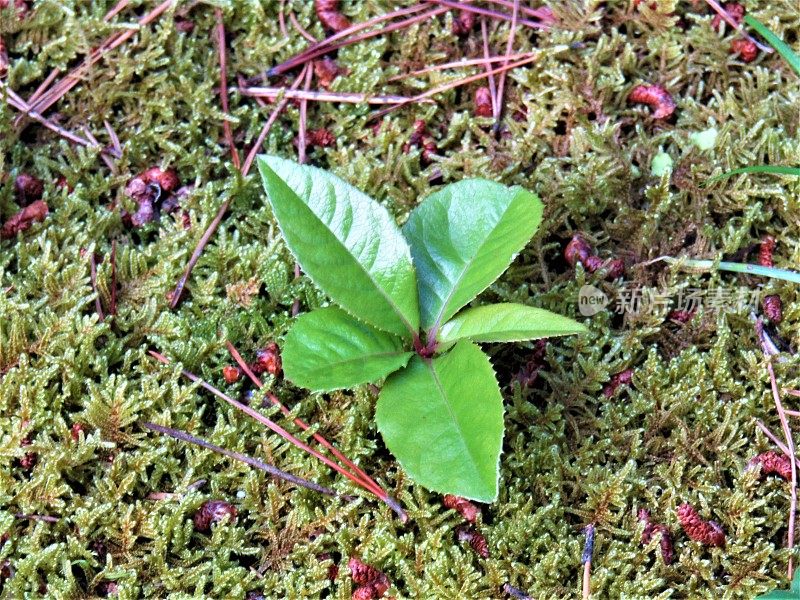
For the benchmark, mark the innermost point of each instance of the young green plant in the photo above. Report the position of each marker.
(400, 296)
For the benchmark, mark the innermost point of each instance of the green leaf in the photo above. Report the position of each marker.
(443, 420)
(347, 243)
(771, 169)
(782, 47)
(327, 349)
(462, 238)
(791, 594)
(507, 323)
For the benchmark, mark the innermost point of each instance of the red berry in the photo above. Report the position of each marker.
(231, 373)
(268, 359)
(483, 102)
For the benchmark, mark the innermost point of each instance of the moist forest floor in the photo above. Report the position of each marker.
(683, 431)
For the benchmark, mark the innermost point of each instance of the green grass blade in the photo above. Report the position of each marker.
(772, 169)
(710, 265)
(782, 47)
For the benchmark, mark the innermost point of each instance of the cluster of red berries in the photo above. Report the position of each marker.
(579, 250)
(268, 360)
(371, 583)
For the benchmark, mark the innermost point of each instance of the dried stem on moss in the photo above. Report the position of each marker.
(501, 82)
(253, 462)
(489, 13)
(223, 87)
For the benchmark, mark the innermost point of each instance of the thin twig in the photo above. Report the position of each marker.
(586, 559)
(367, 480)
(223, 87)
(300, 29)
(93, 276)
(501, 83)
(118, 8)
(740, 28)
(487, 55)
(44, 85)
(45, 518)
(253, 462)
(539, 13)
(489, 13)
(274, 427)
(114, 139)
(282, 19)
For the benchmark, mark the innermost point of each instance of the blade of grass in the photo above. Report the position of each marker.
(747, 269)
(782, 47)
(771, 169)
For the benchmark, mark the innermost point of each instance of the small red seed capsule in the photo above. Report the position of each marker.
(650, 529)
(772, 463)
(706, 532)
(4, 64)
(773, 308)
(372, 582)
(474, 538)
(231, 374)
(268, 359)
(736, 12)
(320, 137)
(680, 316)
(463, 506)
(746, 49)
(326, 70)
(75, 431)
(463, 22)
(33, 213)
(329, 15)
(655, 96)
(483, 102)
(622, 378)
(213, 511)
(167, 180)
(765, 251)
(27, 189)
(577, 250)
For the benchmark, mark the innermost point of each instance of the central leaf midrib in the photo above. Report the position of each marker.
(440, 389)
(366, 356)
(438, 320)
(382, 292)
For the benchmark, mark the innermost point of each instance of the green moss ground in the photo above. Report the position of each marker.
(684, 432)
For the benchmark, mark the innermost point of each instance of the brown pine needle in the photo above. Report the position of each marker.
(454, 84)
(489, 13)
(303, 123)
(300, 29)
(368, 481)
(327, 45)
(253, 462)
(275, 428)
(487, 54)
(223, 87)
(44, 85)
(323, 96)
(789, 448)
(461, 63)
(539, 13)
(177, 293)
(118, 8)
(498, 105)
(112, 310)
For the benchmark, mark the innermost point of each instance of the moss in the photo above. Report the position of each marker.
(683, 432)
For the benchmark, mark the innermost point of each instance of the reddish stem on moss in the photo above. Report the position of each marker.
(223, 87)
(366, 480)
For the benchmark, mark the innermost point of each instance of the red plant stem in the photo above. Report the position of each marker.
(326, 46)
(282, 19)
(300, 29)
(118, 8)
(223, 87)
(487, 54)
(253, 462)
(738, 27)
(489, 13)
(93, 274)
(114, 139)
(498, 105)
(367, 480)
(274, 427)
